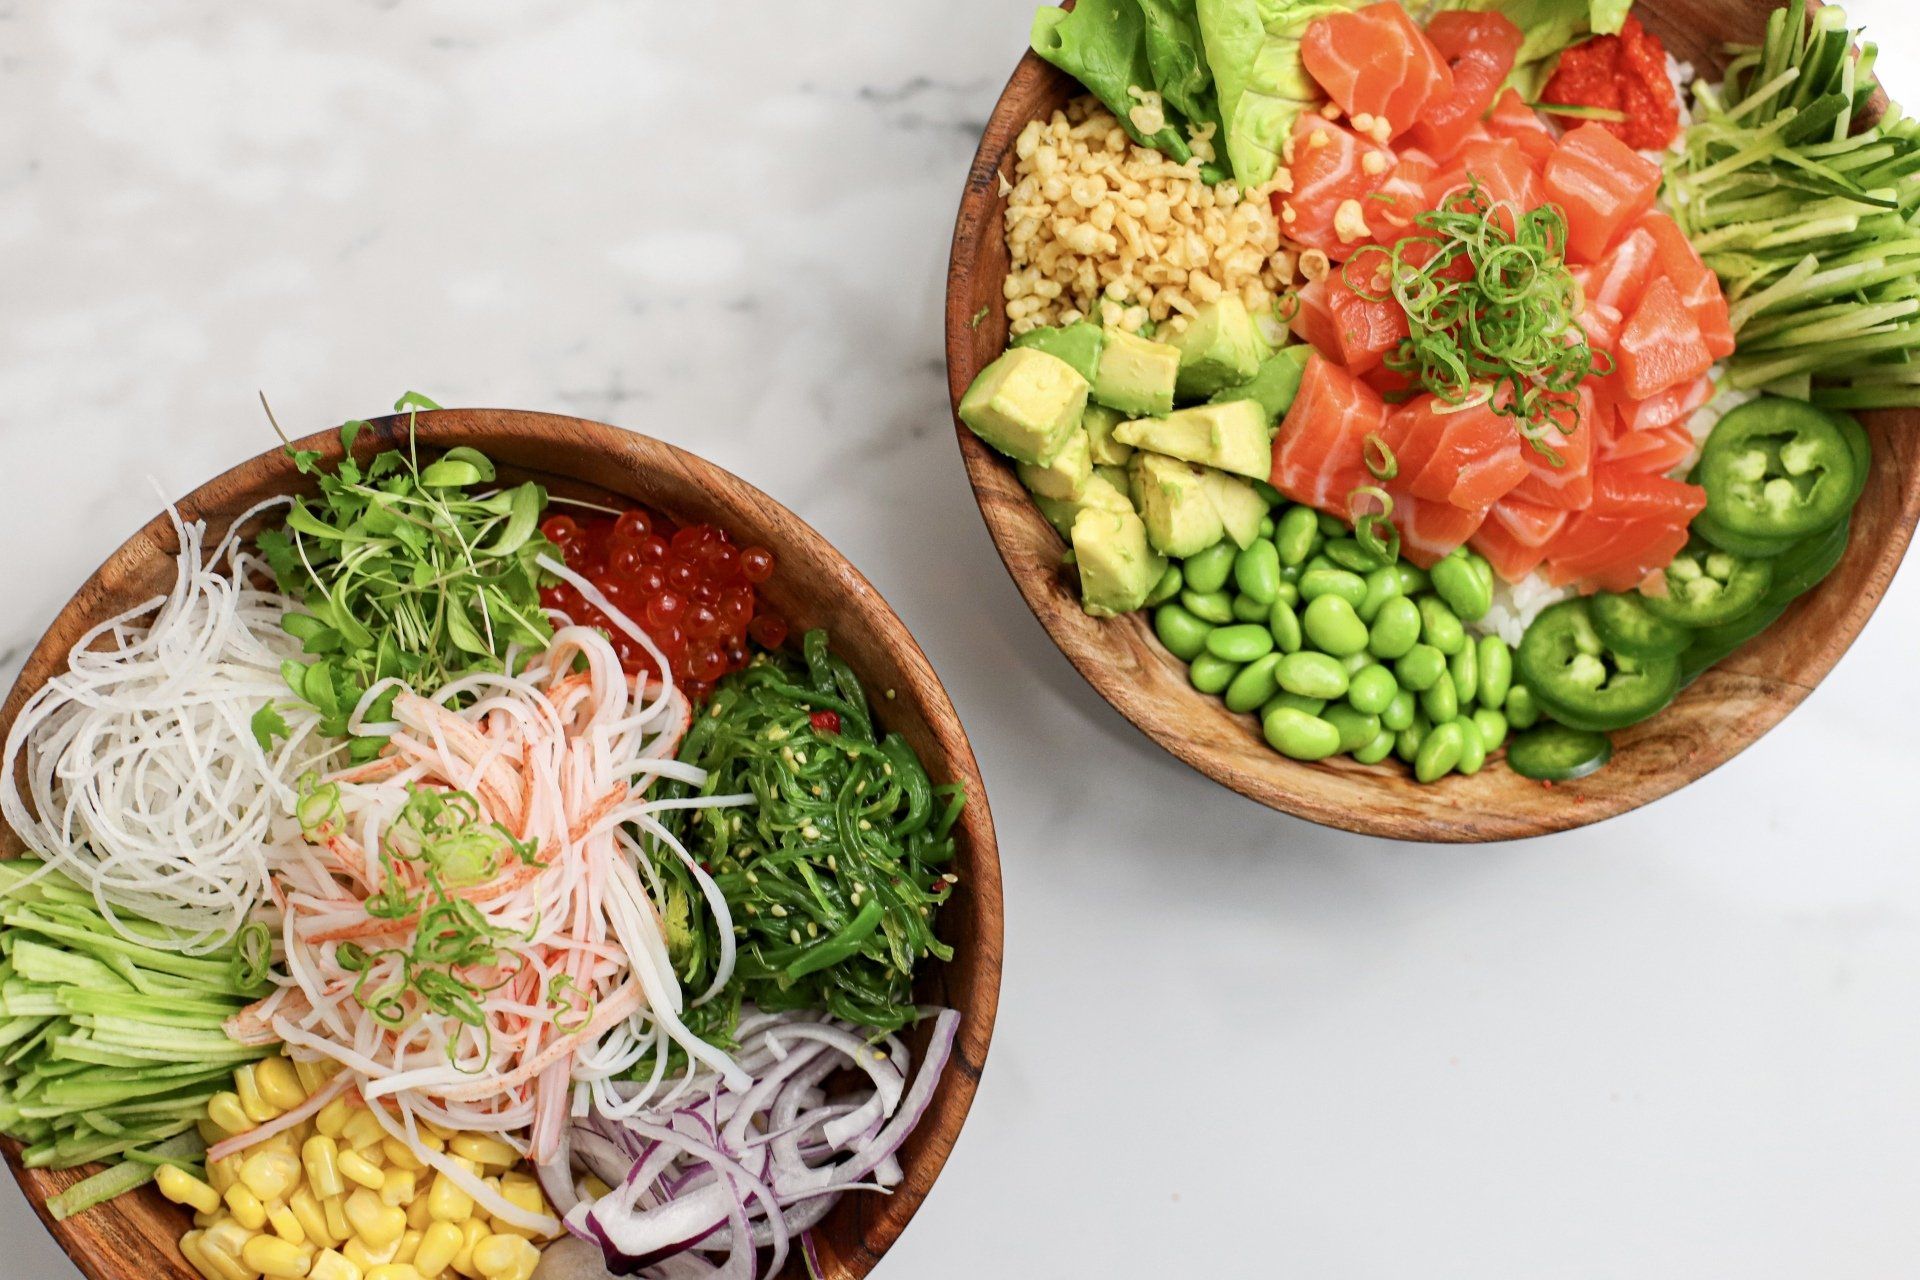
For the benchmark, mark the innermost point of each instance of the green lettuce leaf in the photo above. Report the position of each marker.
(1178, 62)
(1550, 27)
(1253, 47)
(1103, 45)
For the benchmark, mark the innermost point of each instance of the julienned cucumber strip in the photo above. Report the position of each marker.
(108, 1046)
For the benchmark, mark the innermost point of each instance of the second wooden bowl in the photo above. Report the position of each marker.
(134, 1237)
(1722, 714)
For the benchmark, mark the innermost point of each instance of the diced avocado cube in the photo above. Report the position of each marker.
(1241, 509)
(1100, 494)
(1231, 436)
(1026, 404)
(1100, 421)
(1066, 476)
(1078, 344)
(1276, 384)
(1118, 570)
(1115, 476)
(1136, 375)
(1220, 347)
(1172, 497)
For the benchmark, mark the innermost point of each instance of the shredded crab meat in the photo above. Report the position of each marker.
(558, 757)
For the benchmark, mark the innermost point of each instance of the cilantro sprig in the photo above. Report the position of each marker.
(421, 572)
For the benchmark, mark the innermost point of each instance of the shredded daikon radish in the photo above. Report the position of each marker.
(574, 979)
(140, 762)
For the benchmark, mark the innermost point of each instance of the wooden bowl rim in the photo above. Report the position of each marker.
(98, 1241)
(1338, 794)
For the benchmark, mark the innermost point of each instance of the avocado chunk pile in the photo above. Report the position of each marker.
(1136, 449)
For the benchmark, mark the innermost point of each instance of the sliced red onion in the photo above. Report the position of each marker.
(736, 1169)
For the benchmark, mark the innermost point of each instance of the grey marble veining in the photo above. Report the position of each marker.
(1230, 1044)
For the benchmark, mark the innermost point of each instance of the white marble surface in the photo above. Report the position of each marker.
(1231, 1044)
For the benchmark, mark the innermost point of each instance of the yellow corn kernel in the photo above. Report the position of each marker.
(246, 1207)
(597, 1188)
(399, 1188)
(394, 1271)
(472, 1232)
(335, 1207)
(205, 1219)
(357, 1252)
(181, 1187)
(481, 1149)
(246, 1083)
(320, 1155)
(439, 1245)
(278, 1083)
(286, 1224)
(271, 1174)
(439, 1131)
(224, 1109)
(447, 1202)
(522, 1192)
(222, 1244)
(306, 1210)
(430, 1140)
(223, 1173)
(196, 1257)
(398, 1156)
(210, 1132)
(379, 1225)
(333, 1265)
(314, 1074)
(409, 1245)
(272, 1256)
(505, 1257)
(419, 1213)
(334, 1116)
(362, 1131)
(358, 1168)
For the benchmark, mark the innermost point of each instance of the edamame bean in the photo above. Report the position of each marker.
(1240, 644)
(1330, 526)
(1420, 667)
(1439, 752)
(1371, 689)
(1473, 748)
(1183, 634)
(1256, 572)
(1464, 667)
(1312, 675)
(1168, 587)
(1247, 609)
(1407, 745)
(1379, 749)
(1438, 625)
(1356, 662)
(1299, 736)
(1349, 554)
(1334, 627)
(1210, 673)
(1254, 685)
(1285, 625)
(1318, 561)
(1493, 728)
(1413, 579)
(1312, 706)
(1268, 494)
(1288, 594)
(1396, 629)
(1356, 729)
(1521, 710)
(1294, 535)
(1382, 585)
(1440, 700)
(1214, 606)
(1496, 672)
(1400, 711)
(1459, 584)
(1350, 587)
(1207, 571)
(1266, 526)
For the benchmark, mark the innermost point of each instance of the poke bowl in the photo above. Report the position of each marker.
(1450, 355)
(208, 1040)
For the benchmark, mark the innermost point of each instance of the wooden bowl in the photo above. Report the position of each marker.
(1719, 716)
(134, 1238)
